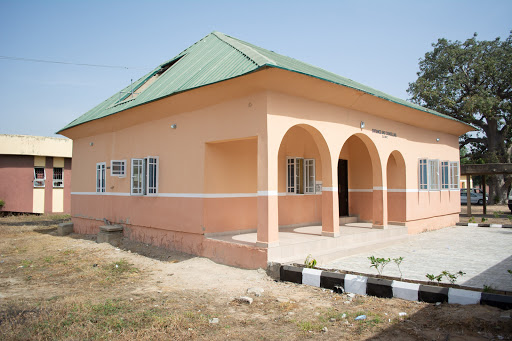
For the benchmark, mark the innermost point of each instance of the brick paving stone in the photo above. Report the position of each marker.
(483, 253)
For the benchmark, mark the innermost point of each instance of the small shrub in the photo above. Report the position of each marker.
(2, 203)
(310, 262)
(489, 288)
(497, 214)
(484, 220)
(398, 261)
(452, 278)
(432, 278)
(472, 220)
(379, 263)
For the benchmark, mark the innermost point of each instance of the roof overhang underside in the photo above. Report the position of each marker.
(283, 81)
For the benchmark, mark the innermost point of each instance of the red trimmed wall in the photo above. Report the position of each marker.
(16, 186)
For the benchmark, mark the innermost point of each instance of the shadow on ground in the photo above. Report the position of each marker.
(452, 322)
(495, 274)
(146, 250)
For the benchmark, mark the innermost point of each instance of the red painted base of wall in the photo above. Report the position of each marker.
(243, 256)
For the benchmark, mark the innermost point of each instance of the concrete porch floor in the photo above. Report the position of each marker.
(296, 243)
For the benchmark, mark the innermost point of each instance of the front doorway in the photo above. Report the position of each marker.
(343, 187)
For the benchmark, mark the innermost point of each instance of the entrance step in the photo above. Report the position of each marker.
(348, 220)
(327, 249)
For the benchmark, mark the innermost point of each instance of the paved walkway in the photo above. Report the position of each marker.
(483, 253)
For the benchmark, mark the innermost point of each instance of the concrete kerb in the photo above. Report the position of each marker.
(384, 288)
(505, 226)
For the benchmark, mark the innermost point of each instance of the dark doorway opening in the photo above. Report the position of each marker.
(343, 187)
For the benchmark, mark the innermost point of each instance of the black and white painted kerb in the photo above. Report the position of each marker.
(385, 288)
(505, 226)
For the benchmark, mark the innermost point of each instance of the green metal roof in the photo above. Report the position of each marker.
(215, 58)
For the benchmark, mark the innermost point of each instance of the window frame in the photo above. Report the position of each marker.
(431, 176)
(454, 185)
(307, 177)
(101, 173)
(445, 182)
(290, 175)
(151, 190)
(61, 180)
(302, 180)
(39, 183)
(146, 167)
(423, 184)
(122, 165)
(140, 174)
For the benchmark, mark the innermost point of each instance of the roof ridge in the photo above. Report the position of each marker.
(253, 55)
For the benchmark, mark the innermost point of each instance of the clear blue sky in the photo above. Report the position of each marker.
(377, 43)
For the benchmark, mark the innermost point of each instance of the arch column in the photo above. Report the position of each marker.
(267, 228)
(330, 207)
(380, 200)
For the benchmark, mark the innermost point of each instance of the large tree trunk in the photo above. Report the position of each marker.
(498, 189)
(496, 152)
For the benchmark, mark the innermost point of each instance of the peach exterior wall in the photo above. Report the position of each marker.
(396, 206)
(181, 151)
(337, 124)
(230, 214)
(264, 115)
(300, 209)
(360, 204)
(173, 214)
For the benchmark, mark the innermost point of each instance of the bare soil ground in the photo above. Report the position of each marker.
(496, 214)
(71, 288)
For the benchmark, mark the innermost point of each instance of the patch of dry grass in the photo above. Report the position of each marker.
(60, 288)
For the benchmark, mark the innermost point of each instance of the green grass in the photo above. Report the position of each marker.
(307, 326)
(108, 319)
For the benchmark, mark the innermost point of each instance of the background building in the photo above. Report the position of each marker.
(35, 174)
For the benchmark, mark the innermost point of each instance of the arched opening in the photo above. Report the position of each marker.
(359, 174)
(303, 168)
(396, 193)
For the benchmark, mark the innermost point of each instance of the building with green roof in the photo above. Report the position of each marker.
(229, 150)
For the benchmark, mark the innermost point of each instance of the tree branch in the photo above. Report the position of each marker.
(473, 140)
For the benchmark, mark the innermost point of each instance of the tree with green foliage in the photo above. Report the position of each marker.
(472, 81)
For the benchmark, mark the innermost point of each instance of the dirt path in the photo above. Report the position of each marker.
(73, 288)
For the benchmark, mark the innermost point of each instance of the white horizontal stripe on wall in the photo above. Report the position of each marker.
(381, 189)
(175, 195)
(243, 195)
(267, 193)
(120, 194)
(284, 194)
